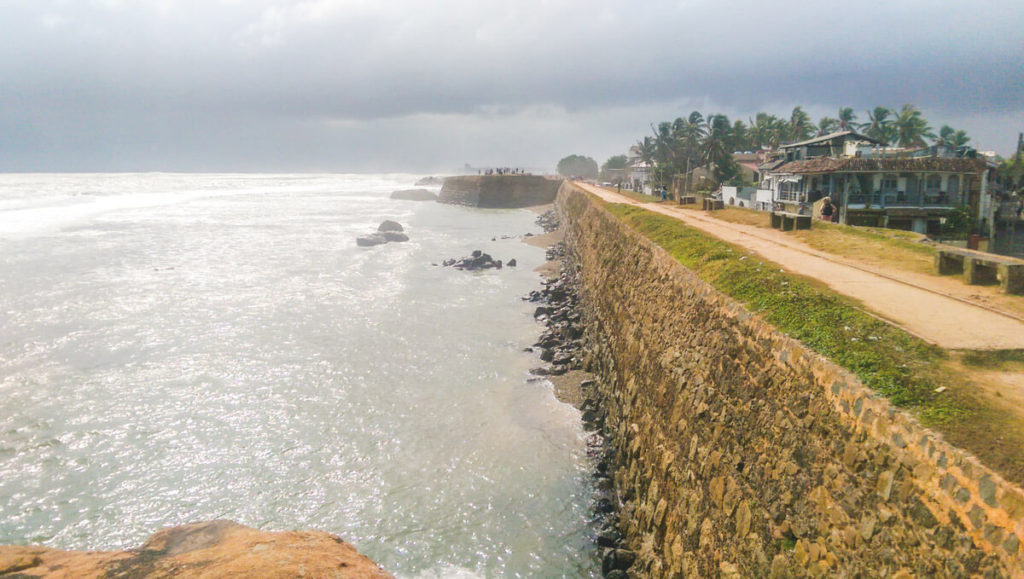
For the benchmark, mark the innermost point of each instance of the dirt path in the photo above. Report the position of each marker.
(912, 302)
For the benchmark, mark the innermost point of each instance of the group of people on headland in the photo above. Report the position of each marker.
(502, 171)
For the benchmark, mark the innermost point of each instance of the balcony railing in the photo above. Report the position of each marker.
(904, 199)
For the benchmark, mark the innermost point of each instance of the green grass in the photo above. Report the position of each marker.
(887, 359)
(894, 237)
(1008, 360)
(635, 196)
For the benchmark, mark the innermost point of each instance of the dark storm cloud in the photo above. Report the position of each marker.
(354, 84)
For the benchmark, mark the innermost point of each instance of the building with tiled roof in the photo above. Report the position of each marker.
(871, 186)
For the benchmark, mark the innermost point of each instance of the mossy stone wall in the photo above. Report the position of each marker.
(739, 452)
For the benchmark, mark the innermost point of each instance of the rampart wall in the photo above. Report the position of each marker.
(739, 452)
(499, 191)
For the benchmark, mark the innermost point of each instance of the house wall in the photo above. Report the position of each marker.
(739, 452)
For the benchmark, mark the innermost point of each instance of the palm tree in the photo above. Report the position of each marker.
(688, 134)
(879, 125)
(767, 130)
(740, 140)
(827, 125)
(643, 150)
(714, 151)
(952, 137)
(664, 145)
(911, 127)
(847, 119)
(800, 126)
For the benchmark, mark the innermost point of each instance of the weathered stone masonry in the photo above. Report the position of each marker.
(740, 451)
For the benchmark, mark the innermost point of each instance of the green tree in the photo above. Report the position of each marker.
(614, 162)
(715, 154)
(847, 119)
(952, 137)
(643, 150)
(880, 125)
(578, 166)
(957, 222)
(690, 133)
(827, 125)
(766, 131)
(1011, 172)
(800, 125)
(740, 137)
(911, 127)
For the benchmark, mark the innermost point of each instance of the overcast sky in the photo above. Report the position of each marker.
(430, 85)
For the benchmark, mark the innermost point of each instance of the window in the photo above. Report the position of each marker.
(890, 182)
(953, 184)
(933, 183)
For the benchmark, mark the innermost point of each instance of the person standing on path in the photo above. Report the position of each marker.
(827, 210)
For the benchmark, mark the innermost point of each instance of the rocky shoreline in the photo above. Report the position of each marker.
(562, 348)
(211, 549)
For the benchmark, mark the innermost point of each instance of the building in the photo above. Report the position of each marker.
(899, 189)
(639, 176)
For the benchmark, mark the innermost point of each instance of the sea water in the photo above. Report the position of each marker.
(181, 348)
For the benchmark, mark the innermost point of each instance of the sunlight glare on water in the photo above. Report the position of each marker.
(178, 348)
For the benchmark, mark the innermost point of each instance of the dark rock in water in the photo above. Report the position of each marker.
(616, 560)
(528, 235)
(511, 262)
(394, 236)
(547, 355)
(414, 195)
(549, 221)
(562, 358)
(371, 240)
(430, 181)
(604, 506)
(479, 260)
(610, 538)
(390, 226)
(558, 370)
(541, 311)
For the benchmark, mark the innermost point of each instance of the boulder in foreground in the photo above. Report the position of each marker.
(389, 225)
(213, 549)
(387, 231)
(371, 240)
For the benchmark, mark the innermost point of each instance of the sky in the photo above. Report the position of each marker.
(430, 86)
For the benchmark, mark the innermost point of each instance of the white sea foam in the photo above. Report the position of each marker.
(177, 348)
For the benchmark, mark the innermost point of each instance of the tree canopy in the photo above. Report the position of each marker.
(614, 162)
(578, 166)
(710, 140)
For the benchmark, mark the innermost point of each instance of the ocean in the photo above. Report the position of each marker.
(186, 347)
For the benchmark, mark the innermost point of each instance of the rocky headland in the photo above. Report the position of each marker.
(430, 181)
(499, 191)
(414, 195)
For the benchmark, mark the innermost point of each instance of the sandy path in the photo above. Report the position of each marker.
(925, 311)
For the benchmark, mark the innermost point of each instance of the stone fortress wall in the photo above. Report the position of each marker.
(499, 191)
(740, 452)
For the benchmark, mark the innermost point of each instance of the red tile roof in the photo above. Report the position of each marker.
(861, 165)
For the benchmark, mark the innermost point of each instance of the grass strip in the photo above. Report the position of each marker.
(885, 358)
(995, 359)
